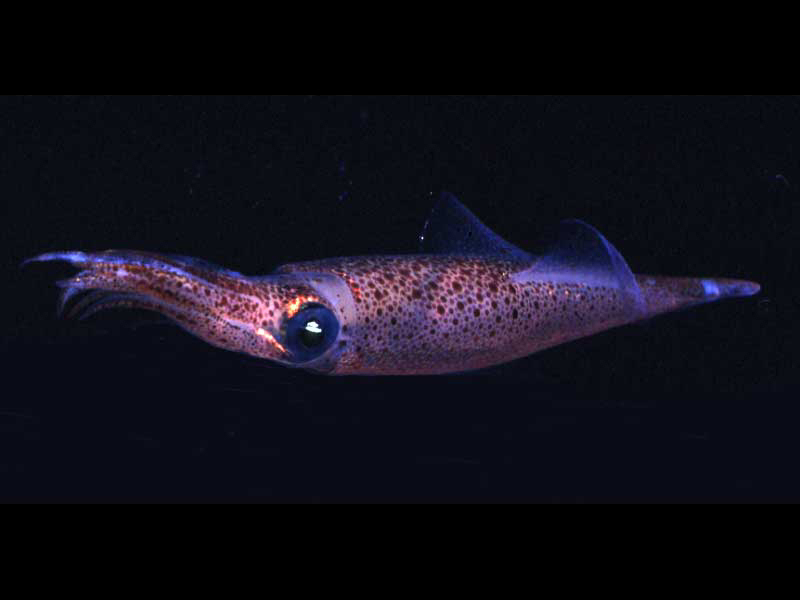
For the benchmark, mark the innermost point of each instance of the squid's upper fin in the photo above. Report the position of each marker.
(578, 253)
(452, 229)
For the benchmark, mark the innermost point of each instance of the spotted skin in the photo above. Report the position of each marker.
(439, 314)
(398, 315)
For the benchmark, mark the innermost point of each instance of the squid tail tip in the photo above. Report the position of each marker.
(730, 288)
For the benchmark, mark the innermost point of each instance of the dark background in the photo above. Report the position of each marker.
(696, 406)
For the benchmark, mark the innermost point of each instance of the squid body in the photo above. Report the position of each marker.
(469, 300)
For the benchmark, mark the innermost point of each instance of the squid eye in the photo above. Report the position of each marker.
(311, 332)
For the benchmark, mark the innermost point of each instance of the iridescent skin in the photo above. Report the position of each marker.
(477, 301)
(399, 315)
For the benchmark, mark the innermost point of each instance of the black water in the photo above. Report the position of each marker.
(697, 406)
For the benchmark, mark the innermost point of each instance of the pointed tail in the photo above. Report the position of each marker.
(666, 294)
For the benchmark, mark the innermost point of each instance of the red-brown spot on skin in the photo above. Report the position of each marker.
(380, 312)
(460, 306)
(404, 272)
(493, 288)
(457, 286)
(378, 295)
(440, 309)
(480, 297)
(416, 294)
(477, 313)
(514, 314)
(494, 304)
(432, 285)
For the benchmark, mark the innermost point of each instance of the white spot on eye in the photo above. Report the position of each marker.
(313, 327)
(710, 287)
(122, 273)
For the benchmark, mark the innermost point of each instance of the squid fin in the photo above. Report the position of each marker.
(451, 228)
(581, 254)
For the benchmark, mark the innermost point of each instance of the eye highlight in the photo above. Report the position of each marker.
(312, 335)
(310, 332)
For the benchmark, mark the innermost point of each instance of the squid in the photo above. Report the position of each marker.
(468, 300)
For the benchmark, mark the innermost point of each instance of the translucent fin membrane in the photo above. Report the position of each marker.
(581, 254)
(453, 229)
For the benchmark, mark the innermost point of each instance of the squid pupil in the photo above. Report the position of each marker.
(312, 335)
